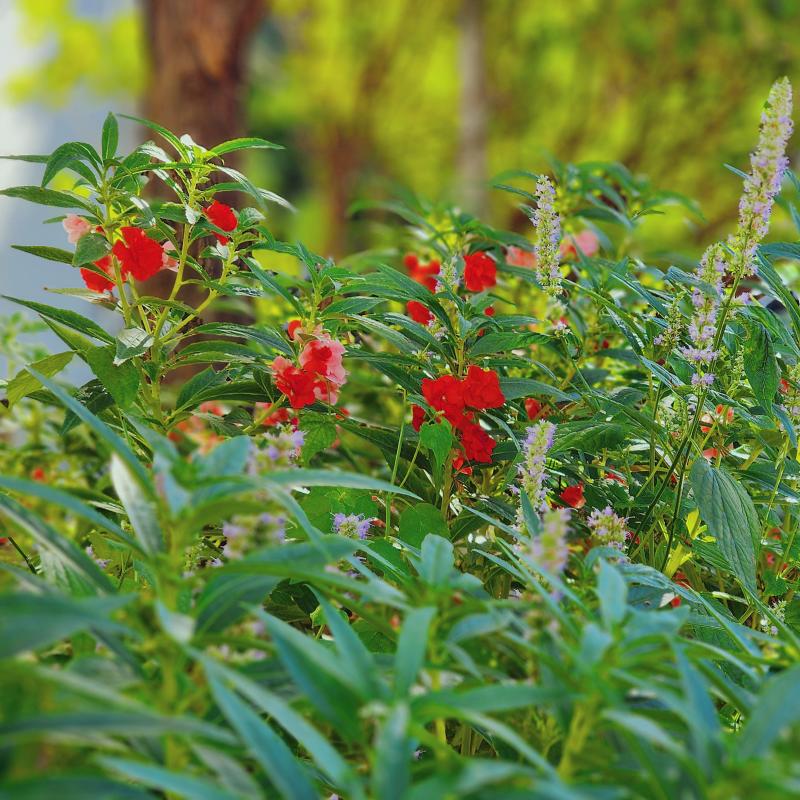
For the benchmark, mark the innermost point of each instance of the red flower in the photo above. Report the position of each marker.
(298, 385)
(458, 465)
(573, 496)
(477, 444)
(532, 407)
(489, 311)
(417, 417)
(37, 474)
(445, 394)
(292, 327)
(95, 282)
(482, 389)
(418, 312)
(223, 217)
(138, 254)
(422, 273)
(480, 272)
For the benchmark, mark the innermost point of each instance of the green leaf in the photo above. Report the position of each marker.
(110, 137)
(438, 438)
(268, 749)
(121, 380)
(320, 434)
(612, 591)
(70, 319)
(71, 155)
(68, 502)
(141, 509)
(411, 648)
(177, 784)
(436, 565)
(244, 143)
(91, 247)
(46, 197)
(393, 756)
(760, 365)
(417, 521)
(48, 253)
(731, 517)
(776, 710)
(23, 383)
(49, 541)
(30, 621)
(131, 342)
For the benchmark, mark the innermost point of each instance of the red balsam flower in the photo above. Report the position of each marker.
(223, 217)
(422, 273)
(138, 254)
(480, 272)
(481, 389)
(418, 312)
(95, 282)
(477, 444)
(573, 496)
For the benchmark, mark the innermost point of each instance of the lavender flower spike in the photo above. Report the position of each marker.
(549, 550)
(548, 237)
(608, 529)
(352, 525)
(767, 167)
(703, 326)
(532, 469)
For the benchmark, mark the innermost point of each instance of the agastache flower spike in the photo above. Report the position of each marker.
(548, 237)
(549, 549)
(703, 325)
(768, 164)
(608, 529)
(532, 469)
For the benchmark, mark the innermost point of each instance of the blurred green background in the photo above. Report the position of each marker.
(436, 96)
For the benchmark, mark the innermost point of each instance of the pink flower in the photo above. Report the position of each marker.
(167, 260)
(75, 227)
(585, 241)
(517, 257)
(323, 357)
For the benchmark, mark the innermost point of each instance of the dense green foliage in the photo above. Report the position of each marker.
(497, 518)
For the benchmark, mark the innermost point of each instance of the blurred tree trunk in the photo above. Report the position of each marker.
(197, 60)
(474, 109)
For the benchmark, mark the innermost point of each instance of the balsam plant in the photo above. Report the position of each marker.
(511, 515)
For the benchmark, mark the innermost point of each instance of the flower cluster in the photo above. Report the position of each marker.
(480, 272)
(538, 441)
(244, 533)
(459, 400)
(222, 217)
(138, 255)
(548, 237)
(703, 325)
(354, 526)
(279, 448)
(319, 376)
(608, 529)
(768, 164)
(422, 272)
(549, 549)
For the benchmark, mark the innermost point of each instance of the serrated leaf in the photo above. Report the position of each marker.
(438, 438)
(110, 137)
(131, 342)
(730, 516)
(121, 380)
(419, 520)
(760, 365)
(91, 247)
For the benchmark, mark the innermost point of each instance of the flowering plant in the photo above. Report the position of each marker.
(513, 515)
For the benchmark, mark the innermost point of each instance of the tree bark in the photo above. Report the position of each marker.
(473, 108)
(196, 82)
(197, 54)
